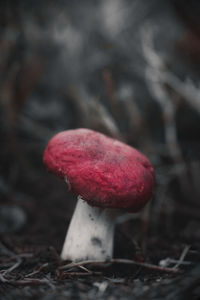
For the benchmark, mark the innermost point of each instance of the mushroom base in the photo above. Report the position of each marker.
(90, 234)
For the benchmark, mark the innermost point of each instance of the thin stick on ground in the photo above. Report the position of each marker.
(24, 282)
(104, 263)
(42, 267)
(82, 274)
(182, 257)
(13, 267)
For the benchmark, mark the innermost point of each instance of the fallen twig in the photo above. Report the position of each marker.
(182, 257)
(38, 270)
(59, 272)
(82, 274)
(2, 279)
(13, 267)
(168, 261)
(119, 261)
(24, 282)
(31, 281)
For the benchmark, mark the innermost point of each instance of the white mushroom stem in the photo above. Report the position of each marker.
(90, 234)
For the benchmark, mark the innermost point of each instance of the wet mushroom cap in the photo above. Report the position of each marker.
(103, 171)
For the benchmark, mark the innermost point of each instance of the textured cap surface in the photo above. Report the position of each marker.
(103, 171)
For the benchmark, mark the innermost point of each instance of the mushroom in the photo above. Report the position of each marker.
(107, 176)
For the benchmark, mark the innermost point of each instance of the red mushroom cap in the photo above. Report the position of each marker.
(103, 171)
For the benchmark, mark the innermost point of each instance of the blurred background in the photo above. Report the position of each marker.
(127, 68)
